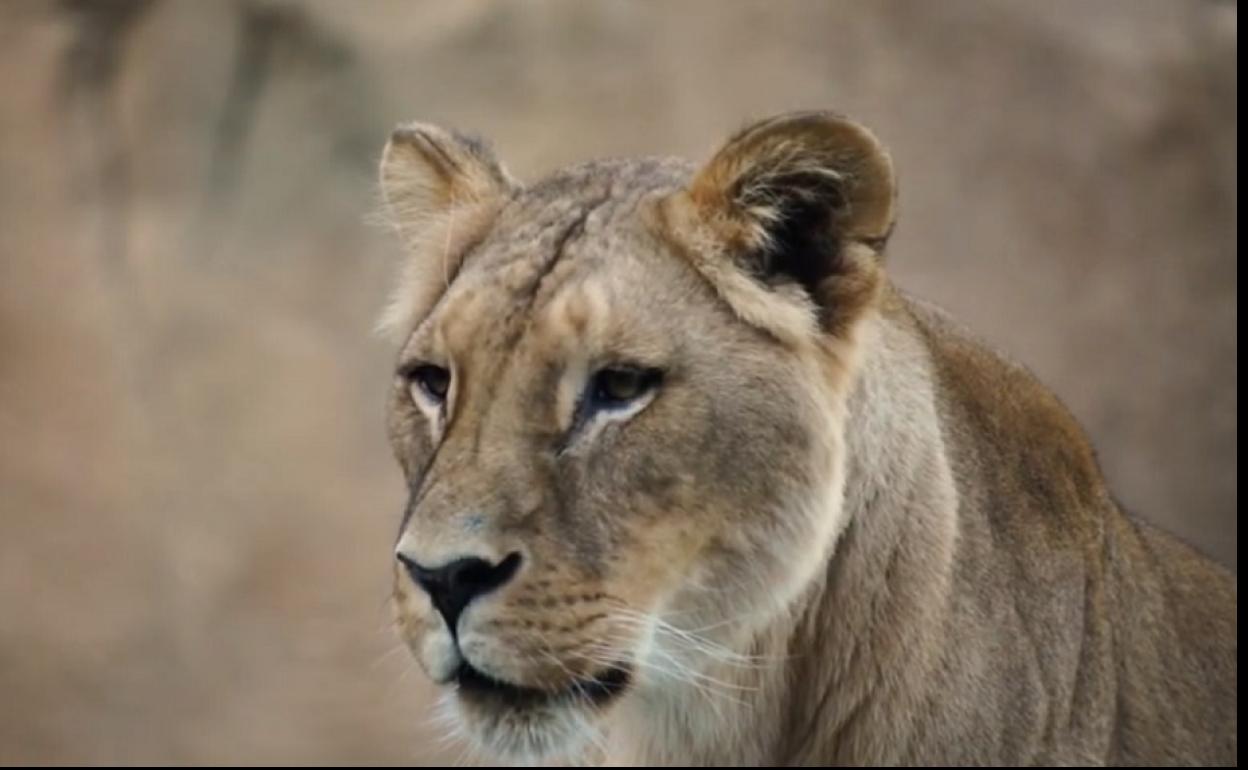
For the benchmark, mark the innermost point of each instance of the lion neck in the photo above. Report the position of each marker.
(835, 671)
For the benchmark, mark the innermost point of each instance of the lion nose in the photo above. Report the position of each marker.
(453, 586)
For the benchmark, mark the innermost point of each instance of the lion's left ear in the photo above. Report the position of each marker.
(802, 199)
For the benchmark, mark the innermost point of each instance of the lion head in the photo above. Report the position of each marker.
(619, 405)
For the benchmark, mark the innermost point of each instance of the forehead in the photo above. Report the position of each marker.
(561, 252)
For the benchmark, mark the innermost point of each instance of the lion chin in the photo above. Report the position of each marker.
(527, 724)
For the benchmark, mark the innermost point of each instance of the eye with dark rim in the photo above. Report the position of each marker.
(620, 390)
(432, 380)
(617, 387)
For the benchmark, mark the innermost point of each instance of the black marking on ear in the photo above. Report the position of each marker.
(451, 164)
(803, 244)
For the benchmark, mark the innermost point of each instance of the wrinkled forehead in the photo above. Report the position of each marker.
(557, 260)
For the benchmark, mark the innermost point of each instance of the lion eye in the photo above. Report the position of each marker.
(617, 387)
(432, 381)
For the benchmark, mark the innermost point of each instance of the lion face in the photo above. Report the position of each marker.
(614, 468)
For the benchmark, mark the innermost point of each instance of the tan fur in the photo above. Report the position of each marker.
(840, 530)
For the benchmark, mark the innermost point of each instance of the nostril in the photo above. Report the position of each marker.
(508, 566)
(483, 577)
(454, 585)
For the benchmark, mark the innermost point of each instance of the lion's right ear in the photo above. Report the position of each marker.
(441, 191)
(427, 173)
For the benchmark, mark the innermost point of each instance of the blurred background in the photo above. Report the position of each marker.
(197, 501)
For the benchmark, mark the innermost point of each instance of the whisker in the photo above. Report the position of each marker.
(695, 642)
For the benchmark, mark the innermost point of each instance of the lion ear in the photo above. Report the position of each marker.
(428, 172)
(439, 188)
(803, 199)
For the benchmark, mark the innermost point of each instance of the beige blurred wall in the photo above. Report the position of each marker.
(196, 498)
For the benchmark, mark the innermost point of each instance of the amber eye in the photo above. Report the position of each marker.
(614, 388)
(432, 381)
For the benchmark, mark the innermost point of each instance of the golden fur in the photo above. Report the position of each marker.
(839, 530)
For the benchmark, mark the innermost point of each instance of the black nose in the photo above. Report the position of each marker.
(453, 586)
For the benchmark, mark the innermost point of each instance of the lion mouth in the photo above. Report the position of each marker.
(476, 685)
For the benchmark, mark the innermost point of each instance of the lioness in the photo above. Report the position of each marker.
(692, 483)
